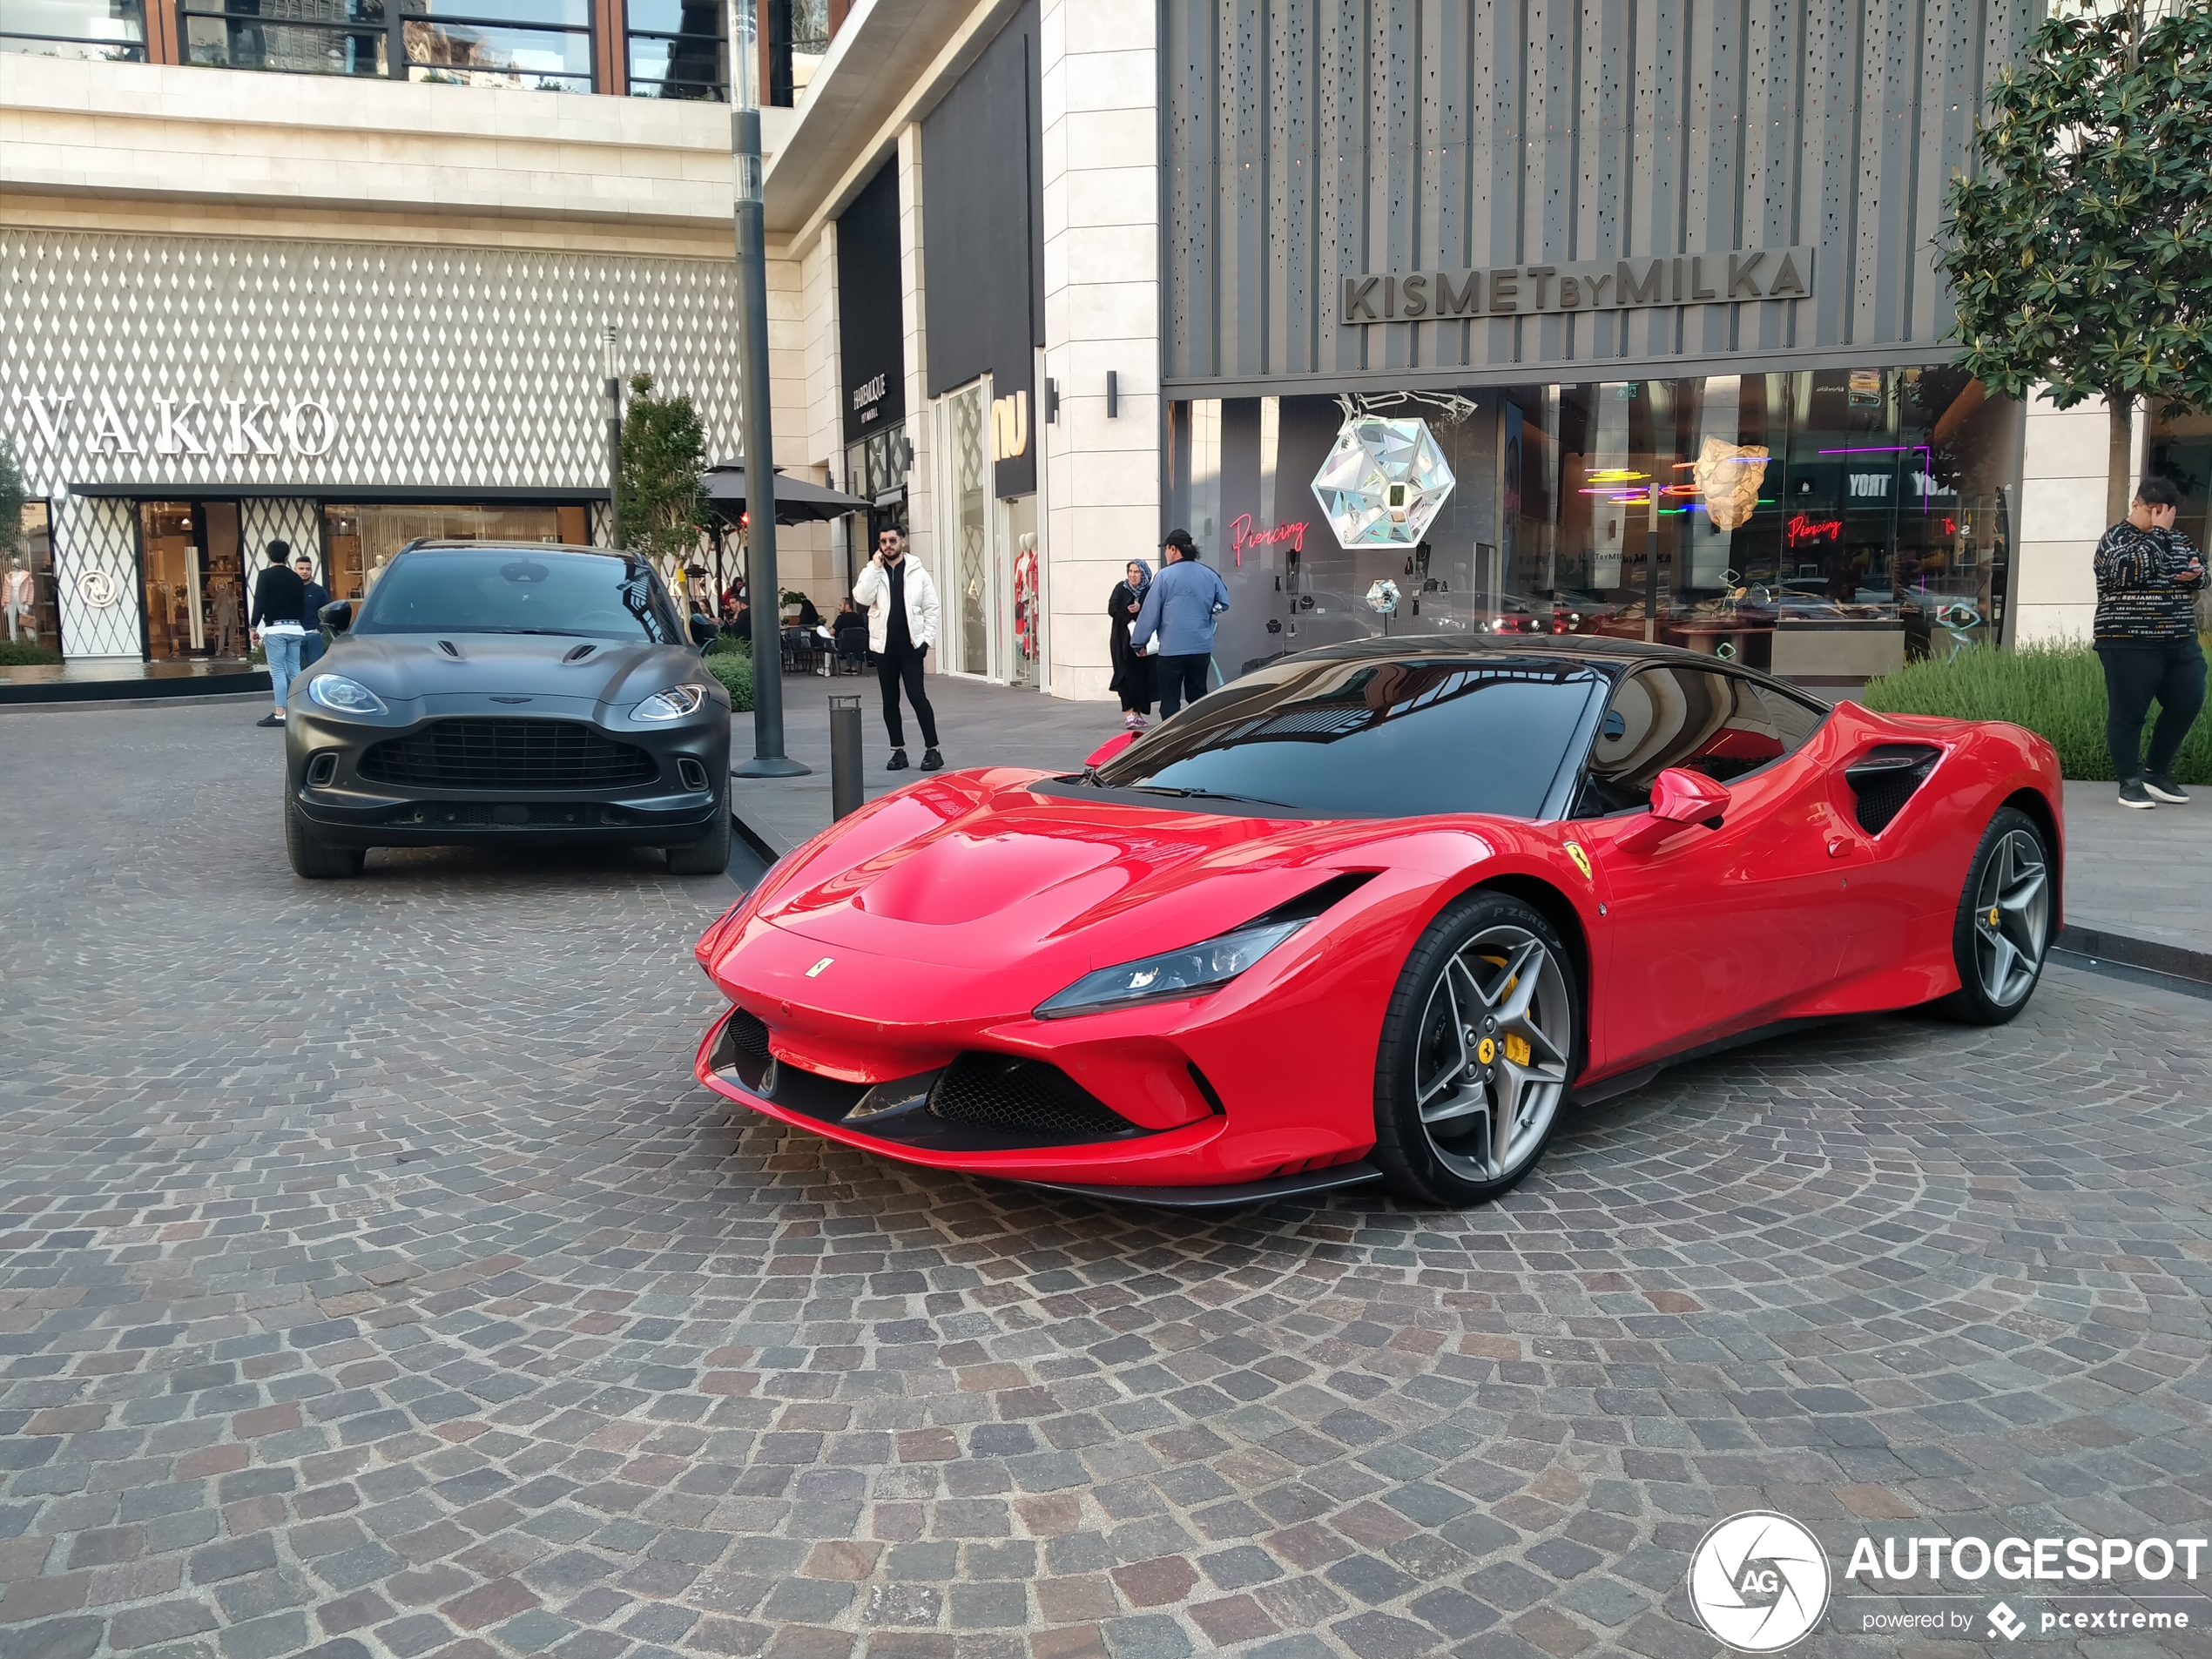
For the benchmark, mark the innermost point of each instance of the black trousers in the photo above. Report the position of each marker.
(2173, 675)
(896, 668)
(1180, 680)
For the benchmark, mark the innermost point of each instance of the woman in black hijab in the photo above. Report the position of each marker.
(1132, 673)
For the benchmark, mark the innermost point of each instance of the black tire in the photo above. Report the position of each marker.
(2000, 963)
(710, 854)
(1515, 1070)
(311, 860)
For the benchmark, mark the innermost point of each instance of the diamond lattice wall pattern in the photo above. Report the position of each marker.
(201, 362)
(214, 368)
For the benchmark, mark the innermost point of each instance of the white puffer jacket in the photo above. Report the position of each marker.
(874, 590)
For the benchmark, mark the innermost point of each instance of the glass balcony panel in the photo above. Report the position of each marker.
(240, 40)
(97, 23)
(476, 55)
(571, 14)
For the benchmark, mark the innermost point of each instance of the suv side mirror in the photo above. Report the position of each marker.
(1680, 799)
(704, 632)
(337, 616)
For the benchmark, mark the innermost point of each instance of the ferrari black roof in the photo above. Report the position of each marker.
(1613, 657)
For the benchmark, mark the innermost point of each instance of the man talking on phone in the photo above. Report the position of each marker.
(901, 602)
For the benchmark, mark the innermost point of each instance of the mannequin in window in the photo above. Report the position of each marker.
(368, 581)
(225, 618)
(19, 597)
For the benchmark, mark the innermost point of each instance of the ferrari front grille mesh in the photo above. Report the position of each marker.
(508, 755)
(1023, 1096)
(748, 1033)
(1884, 779)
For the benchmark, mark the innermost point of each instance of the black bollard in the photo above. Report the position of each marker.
(845, 755)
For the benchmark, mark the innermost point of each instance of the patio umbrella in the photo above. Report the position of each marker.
(797, 501)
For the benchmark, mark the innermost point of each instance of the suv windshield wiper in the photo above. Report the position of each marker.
(1207, 794)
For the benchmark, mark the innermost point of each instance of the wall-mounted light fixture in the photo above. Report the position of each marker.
(1113, 396)
(1051, 402)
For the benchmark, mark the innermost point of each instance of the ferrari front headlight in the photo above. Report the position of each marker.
(342, 696)
(1206, 965)
(675, 703)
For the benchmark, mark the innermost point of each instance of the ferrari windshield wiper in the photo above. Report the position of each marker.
(1207, 794)
(558, 633)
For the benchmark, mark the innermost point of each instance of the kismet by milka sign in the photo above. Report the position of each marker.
(1594, 285)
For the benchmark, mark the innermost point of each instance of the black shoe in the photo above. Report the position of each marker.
(898, 761)
(270, 720)
(931, 760)
(2161, 785)
(2132, 793)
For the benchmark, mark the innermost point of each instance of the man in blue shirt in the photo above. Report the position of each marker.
(1180, 608)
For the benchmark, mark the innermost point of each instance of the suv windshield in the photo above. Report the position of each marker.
(518, 590)
(1363, 738)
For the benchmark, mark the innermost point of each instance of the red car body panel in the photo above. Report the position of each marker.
(933, 923)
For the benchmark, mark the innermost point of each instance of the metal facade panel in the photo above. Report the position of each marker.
(1307, 140)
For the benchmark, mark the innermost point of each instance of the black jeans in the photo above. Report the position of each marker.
(894, 669)
(2173, 674)
(1180, 680)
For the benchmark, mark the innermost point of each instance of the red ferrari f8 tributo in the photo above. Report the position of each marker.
(1384, 910)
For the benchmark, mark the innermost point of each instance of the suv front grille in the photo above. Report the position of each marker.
(1005, 1092)
(506, 754)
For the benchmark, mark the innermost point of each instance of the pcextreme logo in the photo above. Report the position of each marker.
(1759, 1582)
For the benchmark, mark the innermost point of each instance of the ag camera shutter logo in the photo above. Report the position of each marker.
(1758, 1581)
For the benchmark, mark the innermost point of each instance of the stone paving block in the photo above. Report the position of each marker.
(502, 1336)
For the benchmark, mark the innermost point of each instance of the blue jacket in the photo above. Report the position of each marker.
(1180, 607)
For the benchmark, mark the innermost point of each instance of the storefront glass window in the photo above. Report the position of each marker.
(358, 540)
(295, 37)
(112, 32)
(2180, 449)
(27, 596)
(680, 48)
(1827, 525)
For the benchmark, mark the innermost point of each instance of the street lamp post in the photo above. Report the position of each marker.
(613, 391)
(768, 757)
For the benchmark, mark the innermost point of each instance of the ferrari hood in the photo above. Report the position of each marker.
(407, 666)
(974, 870)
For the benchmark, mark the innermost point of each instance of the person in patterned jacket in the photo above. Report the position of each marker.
(2147, 580)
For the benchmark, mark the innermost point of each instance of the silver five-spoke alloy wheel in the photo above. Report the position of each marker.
(2012, 918)
(1493, 1052)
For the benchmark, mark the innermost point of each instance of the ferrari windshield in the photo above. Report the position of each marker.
(518, 590)
(1363, 738)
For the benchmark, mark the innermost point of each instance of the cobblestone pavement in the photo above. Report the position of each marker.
(374, 1280)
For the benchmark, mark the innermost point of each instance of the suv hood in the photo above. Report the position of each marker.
(404, 667)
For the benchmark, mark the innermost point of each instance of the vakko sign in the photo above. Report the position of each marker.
(233, 426)
(1597, 285)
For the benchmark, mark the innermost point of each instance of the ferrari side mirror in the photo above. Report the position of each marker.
(1680, 799)
(337, 616)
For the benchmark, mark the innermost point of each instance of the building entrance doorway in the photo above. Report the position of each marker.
(191, 572)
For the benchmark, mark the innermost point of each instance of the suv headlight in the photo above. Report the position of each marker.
(336, 692)
(674, 704)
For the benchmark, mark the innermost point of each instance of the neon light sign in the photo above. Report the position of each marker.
(1242, 535)
(1804, 530)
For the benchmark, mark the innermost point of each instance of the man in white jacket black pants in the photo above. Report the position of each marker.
(901, 604)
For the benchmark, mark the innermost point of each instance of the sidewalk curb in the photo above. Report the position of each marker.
(2147, 955)
(765, 849)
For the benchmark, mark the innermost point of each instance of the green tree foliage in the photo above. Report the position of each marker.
(663, 453)
(2081, 250)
